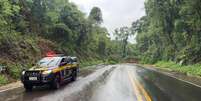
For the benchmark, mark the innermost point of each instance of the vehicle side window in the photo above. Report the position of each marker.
(75, 60)
(63, 62)
(69, 60)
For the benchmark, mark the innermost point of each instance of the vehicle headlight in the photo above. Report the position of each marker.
(47, 72)
(23, 72)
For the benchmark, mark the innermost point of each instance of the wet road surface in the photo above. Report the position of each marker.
(123, 82)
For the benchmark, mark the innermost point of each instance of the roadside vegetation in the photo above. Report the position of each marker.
(190, 70)
(3, 80)
(94, 62)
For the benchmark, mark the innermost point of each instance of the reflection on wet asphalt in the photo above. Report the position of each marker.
(175, 89)
(118, 87)
(126, 82)
(155, 92)
(70, 92)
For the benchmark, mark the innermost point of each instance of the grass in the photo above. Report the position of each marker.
(3, 80)
(194, 70)
(15, 72)
(89, 63)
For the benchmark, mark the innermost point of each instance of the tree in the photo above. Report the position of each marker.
(96, 15)
(169, 31)
(7, 11)
(122, 34)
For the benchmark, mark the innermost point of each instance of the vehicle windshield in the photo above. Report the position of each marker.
(49, 61)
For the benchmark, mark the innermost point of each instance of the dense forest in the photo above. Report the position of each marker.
(31, 28)
(170, 31)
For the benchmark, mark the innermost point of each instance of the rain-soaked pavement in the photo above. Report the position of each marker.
(123, 82)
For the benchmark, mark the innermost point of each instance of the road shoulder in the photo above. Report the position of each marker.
(11, 86)
(195, 80)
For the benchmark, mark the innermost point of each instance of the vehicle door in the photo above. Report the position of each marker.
(66, 73)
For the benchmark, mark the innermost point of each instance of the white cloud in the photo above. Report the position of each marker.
(116, 13)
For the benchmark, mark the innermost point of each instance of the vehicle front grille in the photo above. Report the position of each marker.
(32, 74)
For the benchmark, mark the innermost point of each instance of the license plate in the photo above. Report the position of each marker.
(32, 78)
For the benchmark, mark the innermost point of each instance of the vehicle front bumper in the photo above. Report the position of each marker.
(41, 80)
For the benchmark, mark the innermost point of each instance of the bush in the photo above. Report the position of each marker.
(15, 71)
(3, 80)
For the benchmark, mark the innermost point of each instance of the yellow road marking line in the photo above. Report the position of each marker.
(137, 93)
(146, 95)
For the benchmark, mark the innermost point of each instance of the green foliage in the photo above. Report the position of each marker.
(170, 31)
(15, 71)
(90, 63)
(31, 28)
(112, 60)
(3, 80)
(189, 69)
(14, 46)
(96, 15)
(122, 35)
(7, 10)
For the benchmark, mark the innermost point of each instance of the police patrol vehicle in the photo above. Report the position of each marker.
(52, 70)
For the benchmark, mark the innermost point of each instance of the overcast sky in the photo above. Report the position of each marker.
(116, 13)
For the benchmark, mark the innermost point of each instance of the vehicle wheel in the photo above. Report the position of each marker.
(28, 87)
(74, 75)
(55, 84)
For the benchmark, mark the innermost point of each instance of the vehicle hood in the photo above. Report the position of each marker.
(39, 68)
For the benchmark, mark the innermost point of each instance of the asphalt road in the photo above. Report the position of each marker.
(123, 82)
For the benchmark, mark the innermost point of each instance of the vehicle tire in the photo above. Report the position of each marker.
(74, 75)
(28, 87)
(55, 84)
